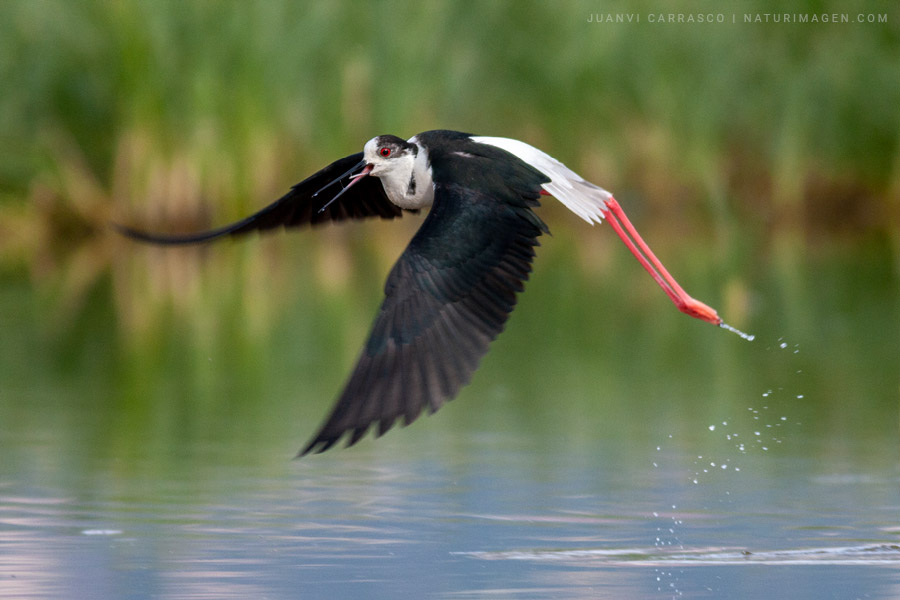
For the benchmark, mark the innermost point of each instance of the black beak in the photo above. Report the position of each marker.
(366, 169)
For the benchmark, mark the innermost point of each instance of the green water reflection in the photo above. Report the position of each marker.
(584, 357)
(603, 423)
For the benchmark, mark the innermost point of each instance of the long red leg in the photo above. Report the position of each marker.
(625, 230)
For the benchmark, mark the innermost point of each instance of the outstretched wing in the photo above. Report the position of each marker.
(299, 207)
(446, 299)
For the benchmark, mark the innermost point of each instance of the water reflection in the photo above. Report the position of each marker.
(469, 528)
(626, 457)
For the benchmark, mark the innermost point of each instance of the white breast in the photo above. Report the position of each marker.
(407, 181)
(583, 198)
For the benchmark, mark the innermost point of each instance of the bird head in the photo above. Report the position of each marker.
(389, 155)
(401, 166)
(403, 169)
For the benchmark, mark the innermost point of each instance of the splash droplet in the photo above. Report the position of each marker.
(747, 336)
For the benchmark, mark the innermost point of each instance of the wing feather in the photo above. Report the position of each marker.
(446, 299)
(301, 206)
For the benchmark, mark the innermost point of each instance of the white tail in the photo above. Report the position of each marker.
(583, 198)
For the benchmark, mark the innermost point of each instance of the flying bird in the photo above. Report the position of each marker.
(453, 288)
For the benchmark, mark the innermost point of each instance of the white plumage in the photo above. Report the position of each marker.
(582, 197)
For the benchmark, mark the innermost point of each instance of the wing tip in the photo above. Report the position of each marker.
(317, 446)
(321, 443)
(168, 239)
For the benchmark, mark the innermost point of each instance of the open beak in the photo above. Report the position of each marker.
(354, 179)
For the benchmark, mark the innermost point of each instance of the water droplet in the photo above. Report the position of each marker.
(747, 336)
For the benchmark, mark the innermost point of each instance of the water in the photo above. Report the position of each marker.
(618, 457)
(504, 521)
(747, 336)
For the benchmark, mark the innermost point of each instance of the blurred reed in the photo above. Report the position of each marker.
(752, 139)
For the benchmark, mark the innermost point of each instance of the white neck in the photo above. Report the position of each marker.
(408, 182)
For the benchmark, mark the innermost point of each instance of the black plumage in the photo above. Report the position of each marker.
(452, 289)
(450, 293)
(301, 206)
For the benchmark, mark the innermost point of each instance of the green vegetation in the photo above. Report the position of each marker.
(743, 151)
(229, 100)
(762, 162)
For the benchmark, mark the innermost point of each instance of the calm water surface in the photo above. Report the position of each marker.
(652, 457)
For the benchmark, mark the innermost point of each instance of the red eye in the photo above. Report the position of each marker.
(384, 151)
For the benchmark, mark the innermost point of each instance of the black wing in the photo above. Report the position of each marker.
(300, 206)
(447, 298)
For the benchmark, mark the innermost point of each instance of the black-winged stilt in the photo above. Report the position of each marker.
(454, 286)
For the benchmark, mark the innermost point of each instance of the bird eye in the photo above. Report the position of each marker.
(384, 151)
